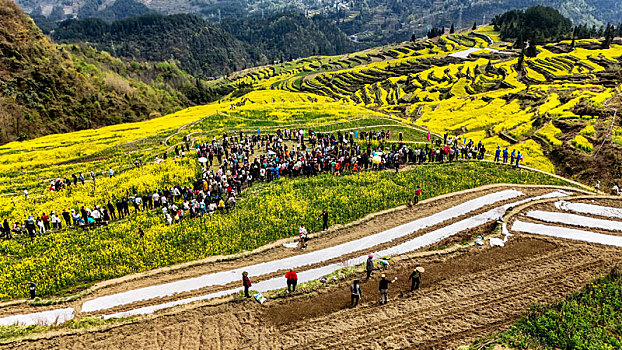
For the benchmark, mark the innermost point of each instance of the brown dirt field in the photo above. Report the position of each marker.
(465, 295)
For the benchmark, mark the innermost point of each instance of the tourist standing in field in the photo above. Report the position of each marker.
(355, 293)
(246, 282)
(324, 216)
(67, 218)
(6, 229)
(31, 288)
(497, 154)
(302, 233)
(519, 157)
(292, 281)
(56, 223)
(417, 194)
(369, 265)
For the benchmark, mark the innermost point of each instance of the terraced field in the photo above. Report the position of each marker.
(177, 286)
(458, 84)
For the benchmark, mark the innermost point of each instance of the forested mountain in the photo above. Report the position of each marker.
(289, 35)
(47, 89)
(370, 21)
(200, 47)
(209, 49)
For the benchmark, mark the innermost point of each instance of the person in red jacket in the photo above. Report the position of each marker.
(246, 282)
(292, 281)
(417, 195)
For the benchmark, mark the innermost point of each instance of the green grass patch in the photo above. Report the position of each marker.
(590, 319)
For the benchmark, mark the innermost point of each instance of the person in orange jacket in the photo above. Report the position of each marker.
(292, 281)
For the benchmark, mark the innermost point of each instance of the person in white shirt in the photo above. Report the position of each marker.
(302, 232)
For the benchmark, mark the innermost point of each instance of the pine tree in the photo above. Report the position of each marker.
(452, 29)
(474, 26)
(609, 35)
(521, 61)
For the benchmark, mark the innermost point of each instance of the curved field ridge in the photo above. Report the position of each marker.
(567, 233)
(589, 209)
(575, 220)
(406, 247)
(225, 277)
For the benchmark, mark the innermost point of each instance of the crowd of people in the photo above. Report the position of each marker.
(295, 153)
(235, 161)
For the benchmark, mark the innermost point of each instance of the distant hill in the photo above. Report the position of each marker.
(46, 89)
(205, 48)
(103, 9)
(289, 35)
(200, 47)
(372, 22)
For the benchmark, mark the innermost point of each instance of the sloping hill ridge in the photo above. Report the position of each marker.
(43, 91)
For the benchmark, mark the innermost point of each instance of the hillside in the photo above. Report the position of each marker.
(279, 36)
(46, 89)
(173, 211)
(558, 106)
(209, 49)
(372, 22)
(199, 46)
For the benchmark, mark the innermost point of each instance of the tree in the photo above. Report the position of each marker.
(474, 26)
(413, 38)
(452, 29)
(609, 35)
(552, 25)
(521, 61)
(535, 39)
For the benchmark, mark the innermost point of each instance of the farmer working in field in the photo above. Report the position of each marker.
(292, 280)
(415, 278)
(383, 287)
(369, 265)
(355, 293)
(246, 282)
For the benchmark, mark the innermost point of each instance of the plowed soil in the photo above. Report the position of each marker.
(463, 296)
